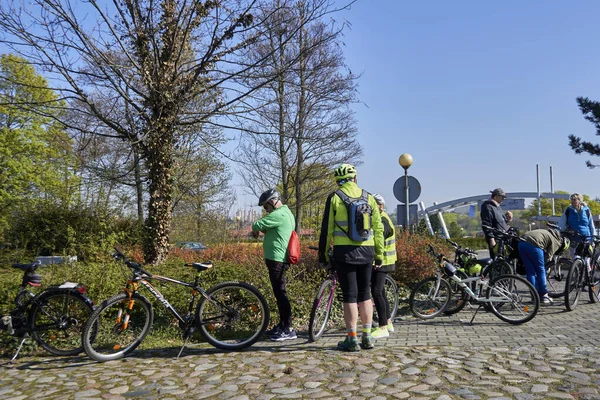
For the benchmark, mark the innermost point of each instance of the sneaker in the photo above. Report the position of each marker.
(390, 327)
(380, 333)
(274, 330)
(367, 342)
(546, 299)
(348, 345)
(284, 334)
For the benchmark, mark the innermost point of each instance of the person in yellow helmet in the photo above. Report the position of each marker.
(352, 257)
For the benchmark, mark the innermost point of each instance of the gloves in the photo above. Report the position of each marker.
(378, 263)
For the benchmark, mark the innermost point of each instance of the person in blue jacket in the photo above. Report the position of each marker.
(577, 217)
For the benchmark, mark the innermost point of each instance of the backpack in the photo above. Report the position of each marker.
(359, 216)
(293, 249)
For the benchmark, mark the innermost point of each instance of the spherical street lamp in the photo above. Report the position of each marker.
(405, 162)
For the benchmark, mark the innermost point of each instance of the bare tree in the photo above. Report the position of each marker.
(167, 62)
(304, 113)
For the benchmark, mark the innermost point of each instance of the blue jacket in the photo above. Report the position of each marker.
(581, 221)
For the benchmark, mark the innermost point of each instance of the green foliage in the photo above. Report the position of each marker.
(34, 150)
(560, 206)
(591, 112)
(51, 229)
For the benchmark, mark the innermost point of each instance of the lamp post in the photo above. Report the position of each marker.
(405, 162)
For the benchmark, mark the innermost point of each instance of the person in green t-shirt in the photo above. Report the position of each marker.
(277, 226)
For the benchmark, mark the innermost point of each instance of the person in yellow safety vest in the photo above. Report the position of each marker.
(382, 304)
(352, 258)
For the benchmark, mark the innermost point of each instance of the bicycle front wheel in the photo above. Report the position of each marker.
(594, 284)
(319, 313)
(117, 327)
(56, 320)
(391, 293)
(573, 285)
(557, 276)
(234, 316)
(513, 299)
(429, 298)
(497, 268)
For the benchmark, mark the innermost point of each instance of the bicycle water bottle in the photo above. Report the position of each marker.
(7, 322)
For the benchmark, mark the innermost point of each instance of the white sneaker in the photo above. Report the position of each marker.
(546, 299)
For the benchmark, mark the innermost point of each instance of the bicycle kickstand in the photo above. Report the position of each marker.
(476, 311)
(19, 348)
(187, 335)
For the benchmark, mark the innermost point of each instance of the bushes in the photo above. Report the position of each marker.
(414, 263)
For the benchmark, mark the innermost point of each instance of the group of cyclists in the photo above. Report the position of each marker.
(362, 260)
(538, 245)
(363, 252)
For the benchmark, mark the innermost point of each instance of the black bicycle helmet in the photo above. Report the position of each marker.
(268, 195)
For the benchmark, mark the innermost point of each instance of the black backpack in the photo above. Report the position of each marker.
(359, 216)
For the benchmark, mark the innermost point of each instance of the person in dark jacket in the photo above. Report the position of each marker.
(493, 216)
(536, 247)
(382, 304)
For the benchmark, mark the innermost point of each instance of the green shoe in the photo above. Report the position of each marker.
(390, 327)
(348, 345)
(367, 342)
(380, 333)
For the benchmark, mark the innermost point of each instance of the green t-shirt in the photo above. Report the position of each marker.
(277, 227)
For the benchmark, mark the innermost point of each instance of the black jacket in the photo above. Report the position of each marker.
(492, 215)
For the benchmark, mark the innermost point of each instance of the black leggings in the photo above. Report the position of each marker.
(382, 305)
(277, 277)
(355, 281)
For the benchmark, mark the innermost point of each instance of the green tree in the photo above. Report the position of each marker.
(591, 112)
(560, 206)
(34, 150)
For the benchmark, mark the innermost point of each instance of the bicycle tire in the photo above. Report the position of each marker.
(320, 310)
(557, 276)
(427, 299)
(518, 301)
(573, 285)
(56, 320)
(234, 316)
(391, 292)
(112, 339)
(459, 296)
(497, 268)
(594, 284)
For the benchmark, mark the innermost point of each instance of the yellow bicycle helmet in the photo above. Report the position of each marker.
(344, 171)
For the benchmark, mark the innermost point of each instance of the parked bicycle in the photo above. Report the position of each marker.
(557, 270)
(54, 317)
(511, 298)
(229, 315)
(584, 272)
(507, 257)
(327, 313)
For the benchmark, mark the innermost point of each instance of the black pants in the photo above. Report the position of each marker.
(355, 281)
(382, 304)
(277, 277)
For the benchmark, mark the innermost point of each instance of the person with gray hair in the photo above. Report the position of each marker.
(577, 217)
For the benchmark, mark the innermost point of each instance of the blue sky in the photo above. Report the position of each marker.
(477, 92)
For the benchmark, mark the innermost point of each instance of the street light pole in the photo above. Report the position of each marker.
(406, 161)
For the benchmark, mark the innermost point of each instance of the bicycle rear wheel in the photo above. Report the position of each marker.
(557, 276)
(56, 320)
(428, 299)
(573, 285)
(459, 297)
(391, 293)
(321, 308)
(514, 299)
(497, 268)
(234, 316)
(119, 330)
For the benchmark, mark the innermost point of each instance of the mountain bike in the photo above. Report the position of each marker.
(557, 270)
(54, 317)
(585, 271)
(327, 313)
(509, 297)
(229, 315)
(507, 257)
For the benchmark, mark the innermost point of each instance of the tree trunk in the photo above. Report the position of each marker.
(160, 164)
